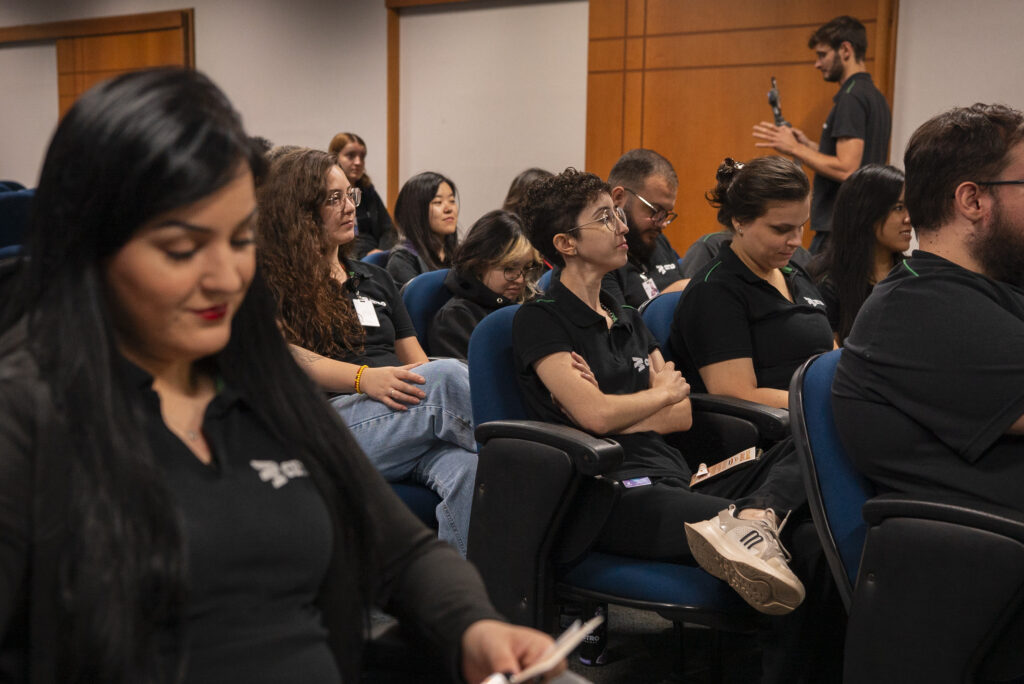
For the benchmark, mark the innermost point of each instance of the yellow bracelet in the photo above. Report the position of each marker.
(359, 376)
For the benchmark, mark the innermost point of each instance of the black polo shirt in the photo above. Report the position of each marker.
(374, 229)
(859, 110)
(931, 377)
(258, 542)
(638, 281)
(728, 312)
(706, 247)
(560, 322)
(372, 285)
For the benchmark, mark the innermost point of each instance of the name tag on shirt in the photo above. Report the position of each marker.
(367, 314)
(649, 287)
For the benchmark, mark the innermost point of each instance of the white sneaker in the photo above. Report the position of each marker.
(749, 556)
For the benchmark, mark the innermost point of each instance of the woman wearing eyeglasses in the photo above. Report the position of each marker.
(350, 330)
(375, 231)
(585, 361)
(427, 214)
(493, 267)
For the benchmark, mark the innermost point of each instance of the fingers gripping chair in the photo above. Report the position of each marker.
(423, 297)
(530, 477)
(934, 588)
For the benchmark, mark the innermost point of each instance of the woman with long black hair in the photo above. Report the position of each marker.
(870, 231)
(427, 214)
(177, 503)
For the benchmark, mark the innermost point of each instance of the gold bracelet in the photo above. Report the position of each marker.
(359, 376)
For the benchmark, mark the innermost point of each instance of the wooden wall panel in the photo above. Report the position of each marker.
(692, 79)
(83, 62)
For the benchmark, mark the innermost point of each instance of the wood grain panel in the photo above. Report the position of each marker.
(634, 53)
(605, 103)
(698, 137)
(606, 55)
(607, 18)
(635, 17)
(672, 16)
(121, 52)
(759, 46)
(632, 115)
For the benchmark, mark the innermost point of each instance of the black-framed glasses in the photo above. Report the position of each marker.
(512, 274)
(353, 195)
(658, 215)
(607, 221)
(1002, 182)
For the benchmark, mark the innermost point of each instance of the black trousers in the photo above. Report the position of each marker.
(647, 521)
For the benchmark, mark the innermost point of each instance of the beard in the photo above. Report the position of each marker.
(834, 73)
(638, 249)
(1000, 249)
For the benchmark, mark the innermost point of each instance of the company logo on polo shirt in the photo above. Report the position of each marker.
(278, 474)
(665, 268)
(814, 302)
(641, 364)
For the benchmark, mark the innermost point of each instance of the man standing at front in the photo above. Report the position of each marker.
(856, 131)
(644, 184)
(929, 393)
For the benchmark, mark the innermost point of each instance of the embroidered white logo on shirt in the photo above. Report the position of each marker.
(665, 268)
(278, 474)
(640, 364)
(814, 302)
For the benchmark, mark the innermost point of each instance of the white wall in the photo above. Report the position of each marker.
(951, 53)
(28, 109)
(298, 71)
(489, 89)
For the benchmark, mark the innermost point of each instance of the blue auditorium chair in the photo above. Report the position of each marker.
(544, 282)
(423, 297)
(377, 258)
(934, 586)
(14, 215)
(530, 475)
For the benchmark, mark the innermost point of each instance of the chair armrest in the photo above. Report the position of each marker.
(590, 455)
(772, 423)
(960, 511)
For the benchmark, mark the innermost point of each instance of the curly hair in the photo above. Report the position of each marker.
(744, 191)
(552, 204)
(313, 310)
(517, 190)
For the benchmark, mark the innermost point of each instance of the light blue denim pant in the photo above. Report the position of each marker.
(431, 442)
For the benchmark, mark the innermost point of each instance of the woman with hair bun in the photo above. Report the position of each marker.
(427, 214)
(374, 230)
(870, 231)
(750, 317)
(493, 267)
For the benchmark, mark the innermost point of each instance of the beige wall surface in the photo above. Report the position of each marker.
(951, 53)
(299, 72)
(489, 89)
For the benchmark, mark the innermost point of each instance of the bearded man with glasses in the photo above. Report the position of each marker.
(644, 186)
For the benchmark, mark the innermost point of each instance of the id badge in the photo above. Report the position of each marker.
(649, 287)
(367, 314)
(636, 482)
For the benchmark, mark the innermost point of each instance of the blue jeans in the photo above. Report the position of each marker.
(431, 442)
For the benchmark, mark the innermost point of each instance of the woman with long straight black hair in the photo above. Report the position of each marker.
(870, 231)
(177, 503)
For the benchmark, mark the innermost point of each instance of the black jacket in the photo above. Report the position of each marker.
(471, 300)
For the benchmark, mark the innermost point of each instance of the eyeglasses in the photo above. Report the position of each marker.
(1002, 182)
(607, 221)
(513, 274)
(353, 195)
(659, 216)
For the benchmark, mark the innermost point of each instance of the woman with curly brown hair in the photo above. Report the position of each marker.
(351, 332)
